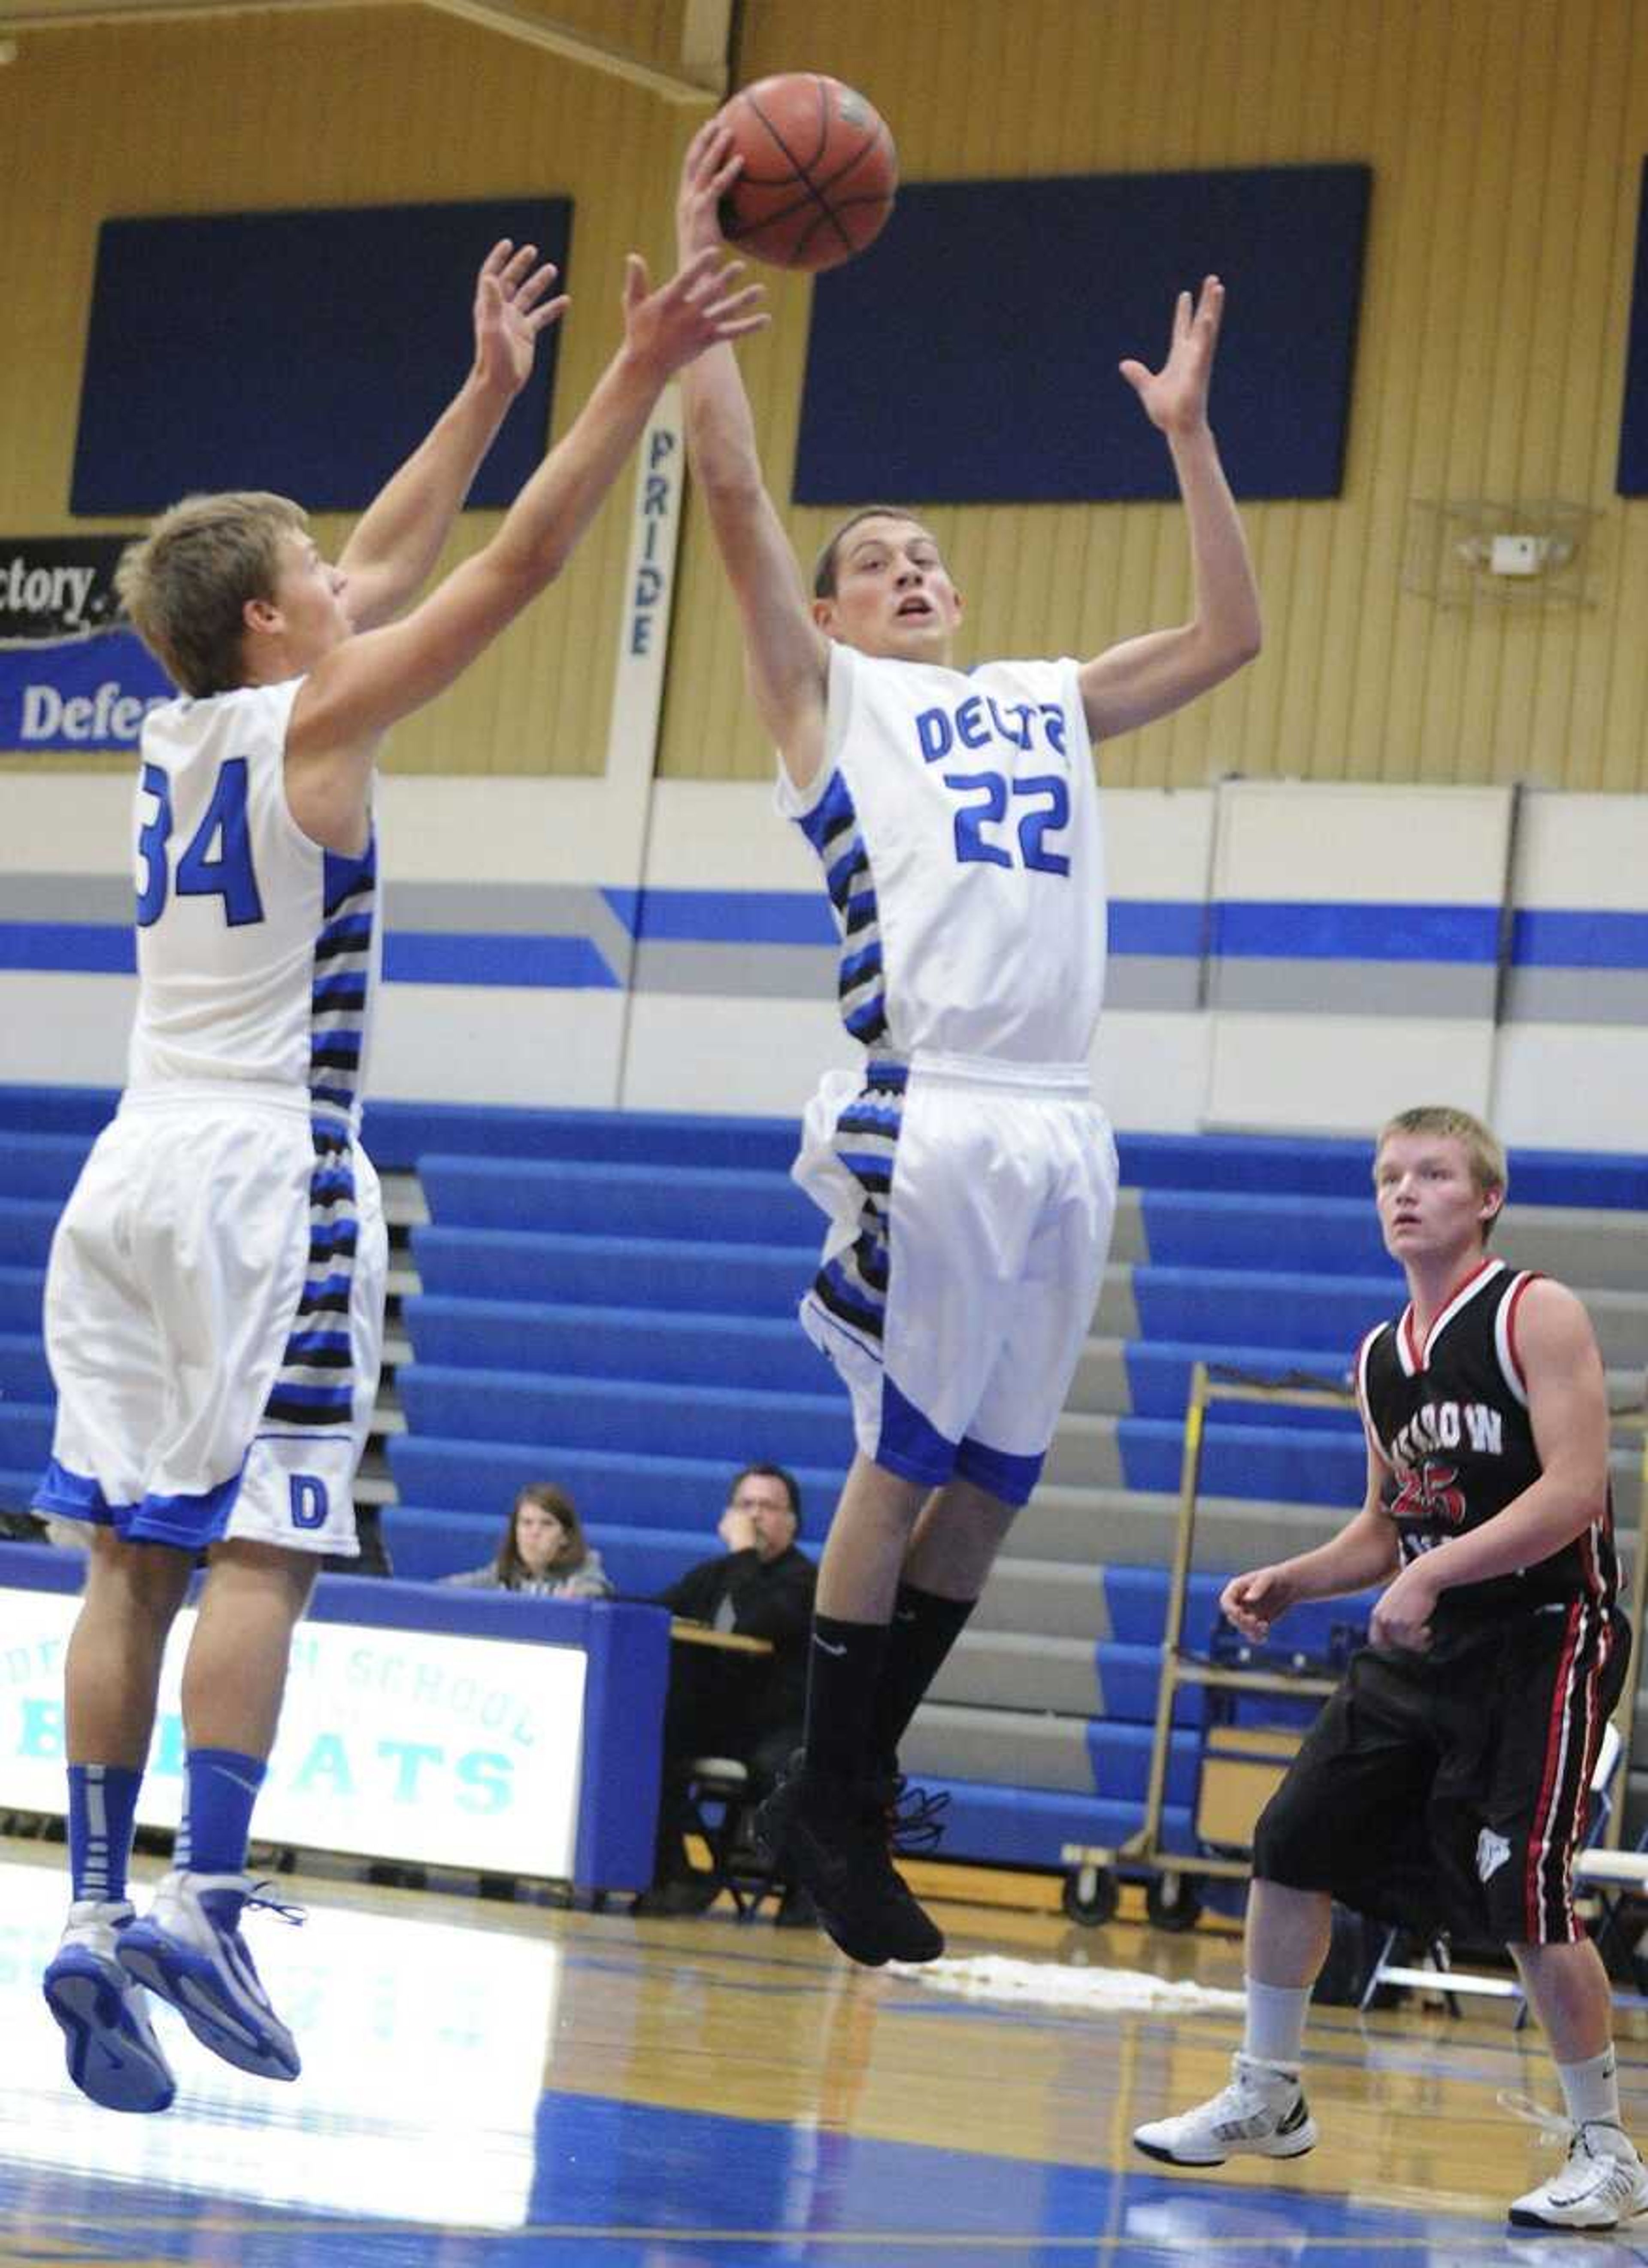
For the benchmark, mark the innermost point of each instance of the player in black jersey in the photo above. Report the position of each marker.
(1447, 1782)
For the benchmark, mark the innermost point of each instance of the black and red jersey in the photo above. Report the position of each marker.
(1449, 1416)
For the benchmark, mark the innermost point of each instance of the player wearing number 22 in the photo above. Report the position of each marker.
(214, 1301)
(969, 1175)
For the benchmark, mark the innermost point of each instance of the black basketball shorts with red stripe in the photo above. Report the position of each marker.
(1450, 1789)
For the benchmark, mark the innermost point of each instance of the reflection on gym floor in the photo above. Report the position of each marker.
(518, 2085)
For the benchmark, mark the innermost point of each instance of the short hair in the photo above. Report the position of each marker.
(780, 1473)
(824, 566)
(184, 587)
(509, 1565)
(1483, 1150)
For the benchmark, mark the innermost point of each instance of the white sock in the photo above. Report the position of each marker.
(1274, 2031)
(1590, 2090)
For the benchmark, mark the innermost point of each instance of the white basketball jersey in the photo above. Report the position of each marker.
(257, 950)
(957, 818)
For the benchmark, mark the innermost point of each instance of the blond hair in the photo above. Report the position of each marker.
(1484, 1151)
(185, 586)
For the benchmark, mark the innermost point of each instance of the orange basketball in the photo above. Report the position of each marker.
(820, 172)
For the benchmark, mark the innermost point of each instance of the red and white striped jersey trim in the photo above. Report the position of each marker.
(1415, 1358)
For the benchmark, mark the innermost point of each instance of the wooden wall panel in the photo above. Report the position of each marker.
(353, 106)
(1506, 138)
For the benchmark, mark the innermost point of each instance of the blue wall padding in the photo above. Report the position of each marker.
(628, 1271)
(725, 1351)
(1030, 1826)
(41, 1165)
(1159, 1382)
(972, 356)
(627, 1488)
(614, 1414)
(21, 1292)
(338, 337)
(23, 1374)
(1281, 1464)
(25, 1231)
(1325, 1314)
(710, 1203)
(1318, 1236)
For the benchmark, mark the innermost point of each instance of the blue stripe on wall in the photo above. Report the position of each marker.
(1581, 939)
(496, 957)
(1285, 930)
(1237, 929)
(100, 948)
(725, 916)
(1160, 926)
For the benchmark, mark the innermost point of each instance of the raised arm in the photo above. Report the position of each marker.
(396, 542)
(365, 684)
(1147, 677)
(785, 652)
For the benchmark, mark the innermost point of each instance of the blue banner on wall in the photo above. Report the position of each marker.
(78, 697)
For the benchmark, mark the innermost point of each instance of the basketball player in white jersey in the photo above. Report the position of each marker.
(1447, 1782)
(969, 1177)
(214, 1301)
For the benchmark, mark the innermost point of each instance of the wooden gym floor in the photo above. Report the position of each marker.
(492, 2086)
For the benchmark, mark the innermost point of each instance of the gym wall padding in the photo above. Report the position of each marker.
(972, 359)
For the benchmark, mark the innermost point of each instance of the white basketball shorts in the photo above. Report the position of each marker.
(971, 1205)
(214, 1323)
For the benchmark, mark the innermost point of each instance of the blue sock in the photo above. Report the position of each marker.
(102, 1814)
(223, 1787)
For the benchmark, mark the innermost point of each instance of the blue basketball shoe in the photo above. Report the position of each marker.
(188, 1948)
(114, 2056)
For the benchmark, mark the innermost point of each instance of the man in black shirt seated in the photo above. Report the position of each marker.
(727, 1703)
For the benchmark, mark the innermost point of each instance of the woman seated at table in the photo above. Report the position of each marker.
(543, 1551)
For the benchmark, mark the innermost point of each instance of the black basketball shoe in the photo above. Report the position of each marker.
(835, 1837)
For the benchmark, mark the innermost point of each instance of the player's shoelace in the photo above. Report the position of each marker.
(916, 1817)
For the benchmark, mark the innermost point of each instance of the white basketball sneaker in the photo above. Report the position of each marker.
(1602, 2183)
(188, 1948)
(1263, 2111)
(113, 2054)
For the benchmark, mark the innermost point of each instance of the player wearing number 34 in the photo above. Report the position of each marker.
(969, 1175)
(214, 1301)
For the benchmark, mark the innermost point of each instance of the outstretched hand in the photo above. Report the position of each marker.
(1175, 397)
(708, 172)
(509, 312)
(701, 307)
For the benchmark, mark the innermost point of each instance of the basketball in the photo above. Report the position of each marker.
(820, 172)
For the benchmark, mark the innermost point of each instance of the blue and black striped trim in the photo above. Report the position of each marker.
(833, 829)
(315, 1387)
(852, 1286)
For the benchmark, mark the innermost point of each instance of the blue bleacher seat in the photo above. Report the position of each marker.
(757, 1279)
(22, 1292)
(634, 1342)
(615, 1414)
(700, 1204)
